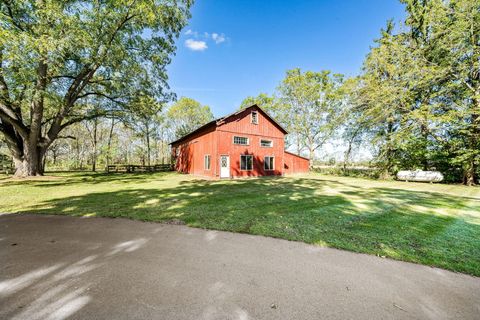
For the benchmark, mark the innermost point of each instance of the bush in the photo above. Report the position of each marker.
(359, 172)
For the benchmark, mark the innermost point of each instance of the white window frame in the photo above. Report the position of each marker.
(265, 163)
(207, 156)
(271, 143)
(246, 162)
(241, 144)
(251, 117)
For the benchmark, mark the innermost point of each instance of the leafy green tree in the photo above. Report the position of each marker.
(420, 90)
(310, 102)
(263, 100)
(451, 34)
(144, 118)
(383, 98)
(55, 54)
(354, 122)
(186, 115)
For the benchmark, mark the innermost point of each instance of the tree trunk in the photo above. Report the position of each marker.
(148, 142)
(94, 142)
(109, 144)
(389, 152)
(155, 147)
(32, 159)
(425, 139)
(469, 174)
(163, 151)
(348, 152)
(54, 157)
(31, 163)
(312, 156)
(346, 157)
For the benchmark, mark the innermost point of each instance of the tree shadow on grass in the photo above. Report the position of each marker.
(425, 227)
(82, 178)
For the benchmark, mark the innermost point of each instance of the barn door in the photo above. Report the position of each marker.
(224, 167)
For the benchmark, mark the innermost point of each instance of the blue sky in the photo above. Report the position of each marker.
(233, 49)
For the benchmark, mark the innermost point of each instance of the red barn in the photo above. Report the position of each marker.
(246, 143)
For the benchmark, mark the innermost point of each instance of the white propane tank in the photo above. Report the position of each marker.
(420, 176)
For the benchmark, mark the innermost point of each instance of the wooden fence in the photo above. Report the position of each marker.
(132, 168)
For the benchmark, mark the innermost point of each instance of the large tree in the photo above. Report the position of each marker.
(382, 98)
(186, 115)
(451, 31)
(420, 90)
(55, 54)
(310, 102)
(263, 100)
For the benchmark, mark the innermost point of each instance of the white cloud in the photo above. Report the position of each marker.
(218, 38)
(195, 45)
(198, 41)
(190, 32)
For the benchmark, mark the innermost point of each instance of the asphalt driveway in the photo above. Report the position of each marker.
(55, 267)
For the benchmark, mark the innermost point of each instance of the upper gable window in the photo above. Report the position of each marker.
(254, 117)
(240, 140)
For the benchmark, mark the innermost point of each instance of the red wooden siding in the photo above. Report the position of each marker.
(295, 163)
(216, 139)
(190, 157)
(240, 125)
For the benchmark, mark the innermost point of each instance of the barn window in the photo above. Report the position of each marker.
(266, 143)
(269, 163)
(254, 117)
(240, 140)
(207, 162)
(246, 162)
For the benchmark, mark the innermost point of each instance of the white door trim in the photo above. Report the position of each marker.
(225, 171)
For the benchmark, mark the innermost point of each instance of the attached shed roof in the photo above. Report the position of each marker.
(219, 121)
(296, 155)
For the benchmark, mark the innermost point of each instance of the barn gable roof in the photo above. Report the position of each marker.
(221, 120)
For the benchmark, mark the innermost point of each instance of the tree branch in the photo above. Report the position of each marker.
(67, 137)
(100, 94)
(8, 116)
(83, 118)
(11, 16)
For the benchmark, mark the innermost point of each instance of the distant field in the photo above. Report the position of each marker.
(432, 224)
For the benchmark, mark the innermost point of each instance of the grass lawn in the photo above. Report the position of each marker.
(436, 225)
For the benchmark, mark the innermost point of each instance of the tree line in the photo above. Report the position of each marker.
(66, 62)
(82, 85)
(416, 103)
(142, 137)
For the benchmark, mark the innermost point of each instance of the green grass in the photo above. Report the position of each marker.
(436, 225)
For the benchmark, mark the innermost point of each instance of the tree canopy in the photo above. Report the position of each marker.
(187, 115)
(64, 64)
(419, 93)
(54, 55)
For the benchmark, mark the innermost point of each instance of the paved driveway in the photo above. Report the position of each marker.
(55, 267)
